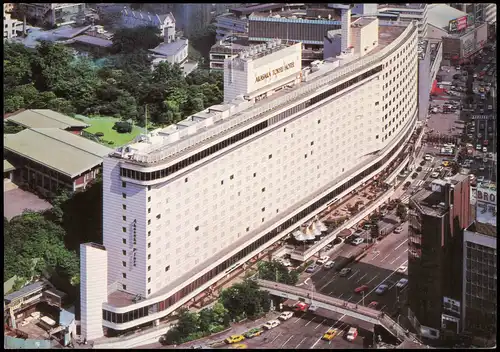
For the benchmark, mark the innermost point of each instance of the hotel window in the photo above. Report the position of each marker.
(149, 291)
(124, 287)
(124, 229)
(149, 279)
(124, 263)
(124, 218)
(149, 267)
(149, 222)
(124, 207)
(149, 245)
(186, 179)
(149, 199)
(149, 188)
(124, 184)
(124, 252)
(124, 195)
(124, 275)
(149, 210)
(167, 268)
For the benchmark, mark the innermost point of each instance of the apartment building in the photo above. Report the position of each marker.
(291, 141)
(437, 218)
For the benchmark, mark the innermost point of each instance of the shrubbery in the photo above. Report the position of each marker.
(123, 127)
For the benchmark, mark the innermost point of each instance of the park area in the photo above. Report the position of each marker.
(105, 126)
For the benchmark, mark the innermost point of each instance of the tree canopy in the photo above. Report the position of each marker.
(50, 77)
(276, 271)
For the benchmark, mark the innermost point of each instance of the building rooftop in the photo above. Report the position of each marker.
(165, 147)
(88, 39)
(434, 48)
(422, 48)
(363, 21)
(7, 166)
(26, 290)
(402, 6)
(440, 15)
(57, 149)
(247, 10)
(234, 46)
(170, 49)
(44, 118)
(484, 229)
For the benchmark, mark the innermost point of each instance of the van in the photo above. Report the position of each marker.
(352, 334)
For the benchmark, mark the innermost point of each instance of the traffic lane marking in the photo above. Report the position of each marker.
(361, 278)
(300, 343)
(399, 256)
(401, 244)
(329, 282)
(287, 341)
(372, 279)
(385, 257)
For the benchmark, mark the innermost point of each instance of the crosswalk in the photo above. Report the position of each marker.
(419, 183)
(405, 199)
(427, 168)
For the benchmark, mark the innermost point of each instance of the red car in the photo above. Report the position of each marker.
(301, 307)
(485, 142)
(373, 305)
(361, 289)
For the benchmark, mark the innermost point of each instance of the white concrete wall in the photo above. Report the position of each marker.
(113, 224)
(93, 290)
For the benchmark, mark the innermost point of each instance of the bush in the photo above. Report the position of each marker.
(122, 127)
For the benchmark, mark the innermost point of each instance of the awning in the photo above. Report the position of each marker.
(300, 236)
(322, 227)
(436, 90)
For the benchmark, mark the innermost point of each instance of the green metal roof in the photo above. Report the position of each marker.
(57, 149)
(7, 166)
(44, 118)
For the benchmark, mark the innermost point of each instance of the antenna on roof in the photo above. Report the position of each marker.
(146, 123)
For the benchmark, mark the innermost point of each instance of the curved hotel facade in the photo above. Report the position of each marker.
(188, 203)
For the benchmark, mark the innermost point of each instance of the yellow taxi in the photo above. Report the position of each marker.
(235, 338)
(330, 334)
(446, 163)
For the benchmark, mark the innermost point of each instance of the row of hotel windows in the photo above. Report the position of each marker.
(157, 307)
(150, 176)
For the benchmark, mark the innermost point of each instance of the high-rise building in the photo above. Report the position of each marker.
(438, 215)
(406, 13)
(185, 205)
(479, 302)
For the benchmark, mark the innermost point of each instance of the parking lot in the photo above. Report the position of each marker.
(305, 331)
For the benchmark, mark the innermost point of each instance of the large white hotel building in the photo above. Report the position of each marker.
(190, 202)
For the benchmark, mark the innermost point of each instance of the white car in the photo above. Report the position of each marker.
(329, 264)
(271, 324)
(398, 229)
(285, 315)
(358, 241)
(480, 179)
(402, 269)
(435, 175)
(428, 157)
(485, 150)
(323, 260)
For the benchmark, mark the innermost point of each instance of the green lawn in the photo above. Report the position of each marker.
(106, 126)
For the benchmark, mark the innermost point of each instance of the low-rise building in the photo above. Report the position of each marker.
(44, 118)
(134, 19)
(10, 25)
(48, 159)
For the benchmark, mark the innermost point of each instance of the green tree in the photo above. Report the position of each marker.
(276, 271)
(13, 103)
(402, 211)
(188, 323)
(244, 299)
(50, 65)
(16, 65)
(130, 40)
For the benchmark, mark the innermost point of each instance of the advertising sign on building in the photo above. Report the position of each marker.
(468, 44)
(458, 24)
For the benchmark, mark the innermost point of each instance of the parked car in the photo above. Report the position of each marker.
(402, 283)
(398, 229)
(381, 289)
(253, 333)
(373, 305)
(301, 307)
(271, 324)
(285, 315)
(330, 334)
(322, 260)
(357, 241)
(329, 264)
(352, 334)
(402, 269)
(419, 168)
(480, 179)
(311, 268)
(361, 289)
(235, 338)
(345, 271)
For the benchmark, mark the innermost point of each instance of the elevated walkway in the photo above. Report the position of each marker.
(340, 306)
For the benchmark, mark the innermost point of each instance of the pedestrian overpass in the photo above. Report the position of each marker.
(339, 306)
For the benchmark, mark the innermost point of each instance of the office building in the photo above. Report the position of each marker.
(187, 204)
(52, 14)
(437, 217)
(406, 13)
(478, 12)
(461, 37)
(479, 302)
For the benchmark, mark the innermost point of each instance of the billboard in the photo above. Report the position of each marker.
(468, 44)
(458, 24)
